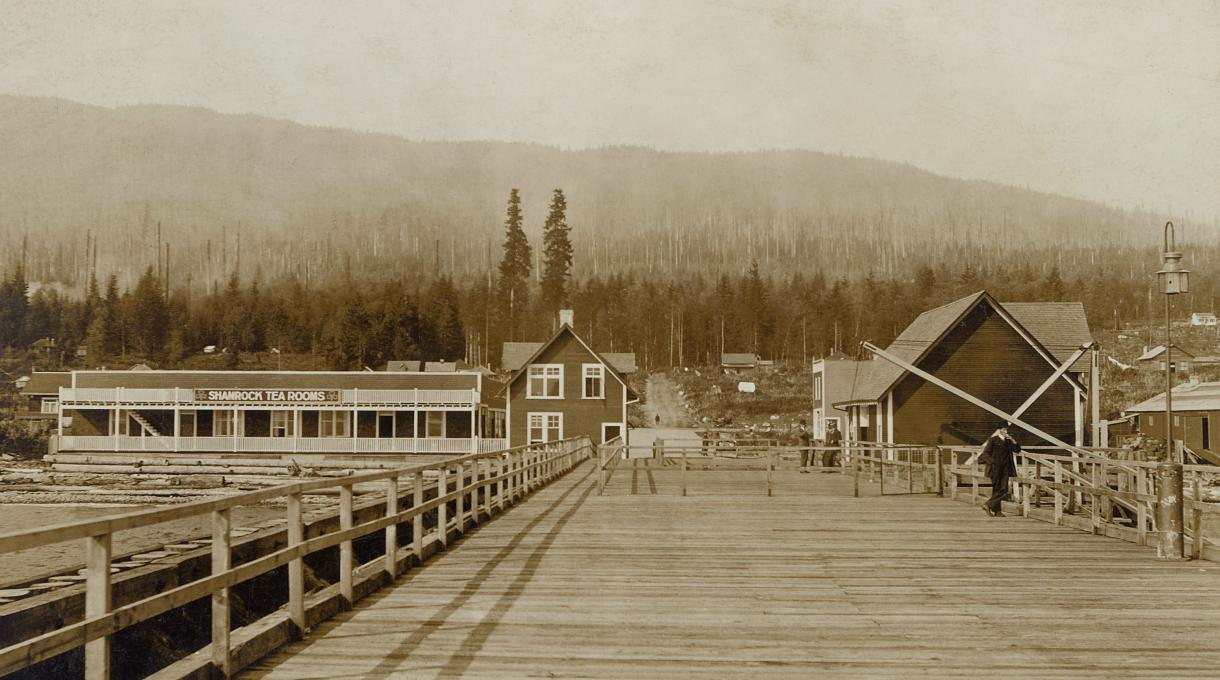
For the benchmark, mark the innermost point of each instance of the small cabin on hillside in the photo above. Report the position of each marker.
(1183, 361)
(1000, 353)
(739, 362)
(564, 389)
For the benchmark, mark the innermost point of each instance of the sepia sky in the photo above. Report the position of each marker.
(1117, 101)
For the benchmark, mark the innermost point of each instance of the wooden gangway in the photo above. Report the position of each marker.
(728, 581)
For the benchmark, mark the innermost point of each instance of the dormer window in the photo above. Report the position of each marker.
(593, 385)
(545, 381)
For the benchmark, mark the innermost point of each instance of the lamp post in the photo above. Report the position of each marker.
(1173, 280)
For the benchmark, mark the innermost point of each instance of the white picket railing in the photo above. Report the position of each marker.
(69, 443)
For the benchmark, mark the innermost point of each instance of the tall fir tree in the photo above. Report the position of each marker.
(556, 255)
(149, 316)
(515, 268)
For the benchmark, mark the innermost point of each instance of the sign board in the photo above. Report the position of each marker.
(264, 396)
(747, 387)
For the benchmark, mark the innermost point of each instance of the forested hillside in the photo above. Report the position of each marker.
(146, 233)
(122, 187)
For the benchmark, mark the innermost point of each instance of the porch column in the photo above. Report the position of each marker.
(296, 429)
(177, 426)
(237, 426)
(889, 418)
(355, 418)
(474, 429)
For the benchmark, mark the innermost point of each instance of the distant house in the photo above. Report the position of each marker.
(733, 362)
(44, 346)
(1183, 361)
(1196, 407)
(40, 394)
(564, 389)
(999, 353)
(1203, 319)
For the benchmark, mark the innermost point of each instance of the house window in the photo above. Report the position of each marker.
(222, 423)
(334, 424)
(282, 424)
(50, 406)
(817, 387)
(545, 427)
(545, 381)
(594, 381)
(435, 424)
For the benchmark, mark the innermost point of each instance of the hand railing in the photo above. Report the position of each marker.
(1096, 493)
(478, 484)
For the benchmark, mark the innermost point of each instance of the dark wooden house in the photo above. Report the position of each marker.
(1000, 353)
(1196, 408)
(565, 389)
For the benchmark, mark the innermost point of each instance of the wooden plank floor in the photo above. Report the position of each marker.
(810, 583)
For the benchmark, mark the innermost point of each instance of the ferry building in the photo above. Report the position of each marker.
(281, 412)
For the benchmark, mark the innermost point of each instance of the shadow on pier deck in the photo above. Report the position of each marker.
(727, 582)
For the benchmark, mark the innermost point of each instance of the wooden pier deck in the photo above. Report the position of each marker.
(727, 582)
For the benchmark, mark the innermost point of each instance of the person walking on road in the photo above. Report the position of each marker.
(998, 458)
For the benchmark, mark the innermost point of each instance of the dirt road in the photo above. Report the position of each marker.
(662, 400)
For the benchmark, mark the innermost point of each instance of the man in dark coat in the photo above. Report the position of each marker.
(997, 455)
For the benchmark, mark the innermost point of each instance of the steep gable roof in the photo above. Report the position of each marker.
(1160, 349)
(1204, 396)
(1057, 329)
(1061, 327)
(517, 354)
(541, 347)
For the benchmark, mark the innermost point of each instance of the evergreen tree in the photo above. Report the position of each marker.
(444, 316)
(1053, 287)
(557, 255)
(515, 268)
(13, 307)
(112, 319)
(149, 316)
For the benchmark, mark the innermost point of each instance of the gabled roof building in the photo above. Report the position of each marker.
(1000, 353)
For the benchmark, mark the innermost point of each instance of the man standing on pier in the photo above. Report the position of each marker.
(997, 455)
(834, 441)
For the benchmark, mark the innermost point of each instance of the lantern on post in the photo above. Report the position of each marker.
(1173, 280)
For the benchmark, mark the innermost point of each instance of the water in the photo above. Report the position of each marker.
(70, 555)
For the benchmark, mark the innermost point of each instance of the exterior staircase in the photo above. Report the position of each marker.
(149, 430)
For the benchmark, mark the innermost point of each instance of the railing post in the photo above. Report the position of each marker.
(417, 522)
(940, 472)
(503, 464)
(881, 465)
(1059, 495)
(855, 476)
(1196, 513)
(345, 547)
(601, 470)
(442, 510)
(487, 487)
(1141, 505)
(683, 472)
(97, 603)
(391, 532)
(296, 566)
(770, 465)
(1169, 511)
(460, 505)
(221, 562)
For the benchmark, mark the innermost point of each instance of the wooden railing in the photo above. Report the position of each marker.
(502, 477)
(909, 469)
(73, 396)
(1092, 491)
(279, 444)
(608, 456)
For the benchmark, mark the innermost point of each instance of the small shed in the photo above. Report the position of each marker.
(738, 362)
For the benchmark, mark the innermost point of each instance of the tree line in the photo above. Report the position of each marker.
(667, 318)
